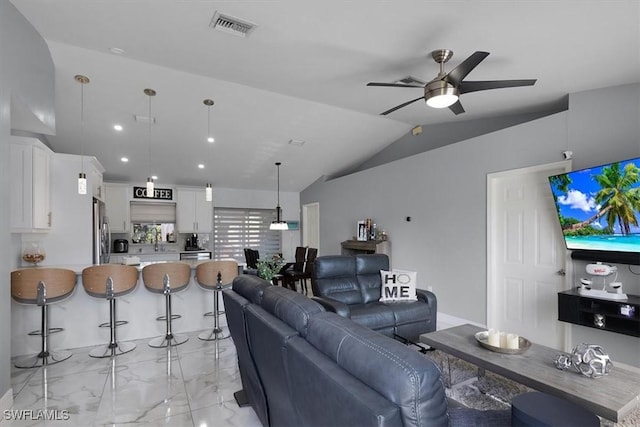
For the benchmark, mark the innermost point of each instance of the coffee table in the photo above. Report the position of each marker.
(612, 396)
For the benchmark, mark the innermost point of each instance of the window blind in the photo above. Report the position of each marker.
(153, 212)
(236, 228)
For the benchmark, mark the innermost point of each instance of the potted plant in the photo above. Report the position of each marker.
(268, 268)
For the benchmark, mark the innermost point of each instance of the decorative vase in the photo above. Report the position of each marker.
(34, 254)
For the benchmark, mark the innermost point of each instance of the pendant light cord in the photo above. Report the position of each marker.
(81, 127)
(278, 165)
(209, 133)
(149, 137)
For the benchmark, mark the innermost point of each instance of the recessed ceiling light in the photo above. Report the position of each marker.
(124, 159)
(117, 50)
(211, 139)
(117, 127)
(154, 177)
(201, 166)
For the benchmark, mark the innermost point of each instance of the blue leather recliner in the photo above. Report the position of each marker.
(351, 286)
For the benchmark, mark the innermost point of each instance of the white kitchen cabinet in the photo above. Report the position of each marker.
(117, 198)
(194, 214)
(97, 186)
(30, 178)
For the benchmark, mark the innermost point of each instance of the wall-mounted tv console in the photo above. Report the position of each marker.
(622, 316)
(607, 256)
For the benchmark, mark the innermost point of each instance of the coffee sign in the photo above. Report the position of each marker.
(158, 193)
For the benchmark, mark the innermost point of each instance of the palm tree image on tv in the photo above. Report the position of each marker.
(599, 208)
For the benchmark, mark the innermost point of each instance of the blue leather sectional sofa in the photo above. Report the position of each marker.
(303, 366)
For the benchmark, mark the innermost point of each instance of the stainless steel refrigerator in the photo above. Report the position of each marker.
(101, 234)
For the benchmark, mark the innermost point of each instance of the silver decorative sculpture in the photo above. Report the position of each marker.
(562, 361)
(588, 359)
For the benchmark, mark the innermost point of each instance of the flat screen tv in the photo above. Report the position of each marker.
(599, 207)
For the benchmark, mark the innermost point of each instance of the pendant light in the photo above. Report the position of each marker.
(150, 188)
(278, 224)
(208, 190)
(82, 177)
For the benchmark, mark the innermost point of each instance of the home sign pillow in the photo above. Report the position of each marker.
(398, 285)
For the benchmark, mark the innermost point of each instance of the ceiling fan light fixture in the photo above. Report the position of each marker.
(440, 94)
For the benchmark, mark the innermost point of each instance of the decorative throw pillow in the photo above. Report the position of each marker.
(398, 285)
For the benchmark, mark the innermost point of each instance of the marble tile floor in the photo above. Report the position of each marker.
(192, 385)
(189, 385)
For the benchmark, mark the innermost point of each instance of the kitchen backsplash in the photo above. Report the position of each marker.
(204, 242)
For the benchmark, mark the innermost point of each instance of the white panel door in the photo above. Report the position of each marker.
(311, 225)
(526, 255)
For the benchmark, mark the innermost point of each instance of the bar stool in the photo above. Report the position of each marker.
(110, 281)
(42, 286)
(167, 278)
(215, 276)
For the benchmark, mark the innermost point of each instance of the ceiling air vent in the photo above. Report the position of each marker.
(231, 25)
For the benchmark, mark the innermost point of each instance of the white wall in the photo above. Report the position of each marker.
(26, 74)
(5, 260)
(604, 126)
(444, 192)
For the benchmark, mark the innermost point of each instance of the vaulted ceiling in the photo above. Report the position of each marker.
(300, 76)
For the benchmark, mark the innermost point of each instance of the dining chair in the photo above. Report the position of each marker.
(251, 257)
(296, 272)
(312, 254)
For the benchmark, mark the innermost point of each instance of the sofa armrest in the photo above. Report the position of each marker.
(334, 306)
(429, 298)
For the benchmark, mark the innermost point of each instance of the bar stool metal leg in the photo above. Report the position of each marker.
(169, 339)
(113, 348)
(45, 357)
(217, 333)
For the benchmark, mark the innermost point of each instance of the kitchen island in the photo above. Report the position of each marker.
(80, 315)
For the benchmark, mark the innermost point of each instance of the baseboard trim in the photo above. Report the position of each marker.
(6, 403)
(446, 321)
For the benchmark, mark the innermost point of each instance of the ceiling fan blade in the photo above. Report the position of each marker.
(467, 87)
(456, 75)
(397, 107)
(457, 108)
(392, 85)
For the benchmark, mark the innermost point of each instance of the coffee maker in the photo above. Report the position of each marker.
(192, 243)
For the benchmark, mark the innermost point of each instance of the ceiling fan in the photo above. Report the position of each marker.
(445, 89)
